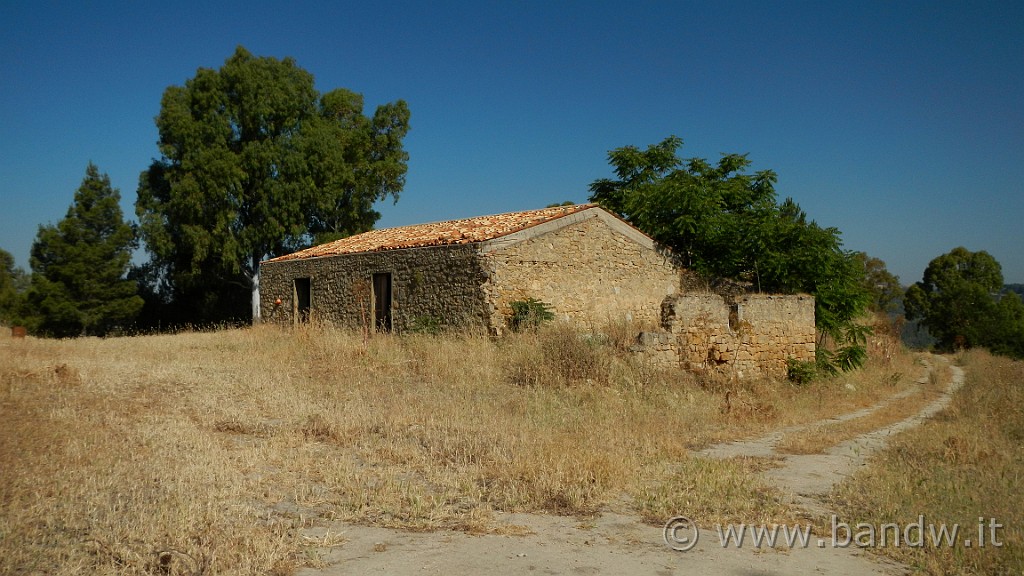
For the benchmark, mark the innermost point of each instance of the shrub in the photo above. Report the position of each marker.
(573, 356)
(529, 314)
(800, 371)
(556, 355)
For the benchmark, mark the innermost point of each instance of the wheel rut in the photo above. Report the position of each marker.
(807, 478)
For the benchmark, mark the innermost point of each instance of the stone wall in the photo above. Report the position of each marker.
(754, 334)
(591, 271)
(439, 284)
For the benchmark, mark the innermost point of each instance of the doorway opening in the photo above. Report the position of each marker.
(382, 302)
(302, 299)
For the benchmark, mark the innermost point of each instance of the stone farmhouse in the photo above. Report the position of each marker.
(587, 264)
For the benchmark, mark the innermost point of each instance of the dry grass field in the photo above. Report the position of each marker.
(817, 438)
(963, 467)
(207, 452)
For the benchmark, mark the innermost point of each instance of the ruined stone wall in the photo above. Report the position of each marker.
(754, 334)
(435, 284)
(586, 271)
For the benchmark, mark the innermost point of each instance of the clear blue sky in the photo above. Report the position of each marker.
(900, 123)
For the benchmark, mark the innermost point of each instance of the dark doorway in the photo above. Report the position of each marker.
(302, 300)
(382, 302)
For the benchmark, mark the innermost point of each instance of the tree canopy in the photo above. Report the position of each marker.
(78, 282)
(13, 286)
(960, 301)
(255, 162)
(721, 221)
(884, 287)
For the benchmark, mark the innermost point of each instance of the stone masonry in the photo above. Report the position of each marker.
(754, 334)
(440, 283)
(589, 266)
(587, 272)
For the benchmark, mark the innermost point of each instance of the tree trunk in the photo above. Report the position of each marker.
(255, 281)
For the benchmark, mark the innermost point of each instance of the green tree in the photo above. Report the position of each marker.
(13, 286)
(691, 206)
(256, 163)
(721, 221)
(79, 265)
(957, 300)
(882, 285)
(1008, 337)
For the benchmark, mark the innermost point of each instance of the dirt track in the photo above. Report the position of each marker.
(616, 544)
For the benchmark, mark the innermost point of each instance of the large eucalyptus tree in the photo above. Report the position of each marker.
(255, 162)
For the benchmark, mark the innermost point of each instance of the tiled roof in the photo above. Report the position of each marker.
(465, 231)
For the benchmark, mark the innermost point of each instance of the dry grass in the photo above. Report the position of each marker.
(963, 465)
(209, 452)
(818, 438)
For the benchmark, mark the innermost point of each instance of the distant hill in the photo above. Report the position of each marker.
(1018, 288)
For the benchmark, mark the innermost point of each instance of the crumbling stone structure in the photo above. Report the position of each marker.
(745, 335)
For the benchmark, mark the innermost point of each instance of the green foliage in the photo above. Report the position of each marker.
(255, 162)
(854, 353)
(825, 363)
(959, 301)
(1008, 338)
(529, 314)
(800, 371)
(14, 284)
(78, 266)
(722, 222)
(857, 334)
(883, 287)
(851, 355)
(425, 325)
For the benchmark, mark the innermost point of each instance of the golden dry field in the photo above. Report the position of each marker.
(209, 452)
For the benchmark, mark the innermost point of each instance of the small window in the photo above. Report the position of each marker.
(734, 316)
(302, 299)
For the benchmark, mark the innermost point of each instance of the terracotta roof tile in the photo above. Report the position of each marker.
(466, 231)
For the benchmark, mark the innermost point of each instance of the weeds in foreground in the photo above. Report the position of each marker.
(211, 452)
